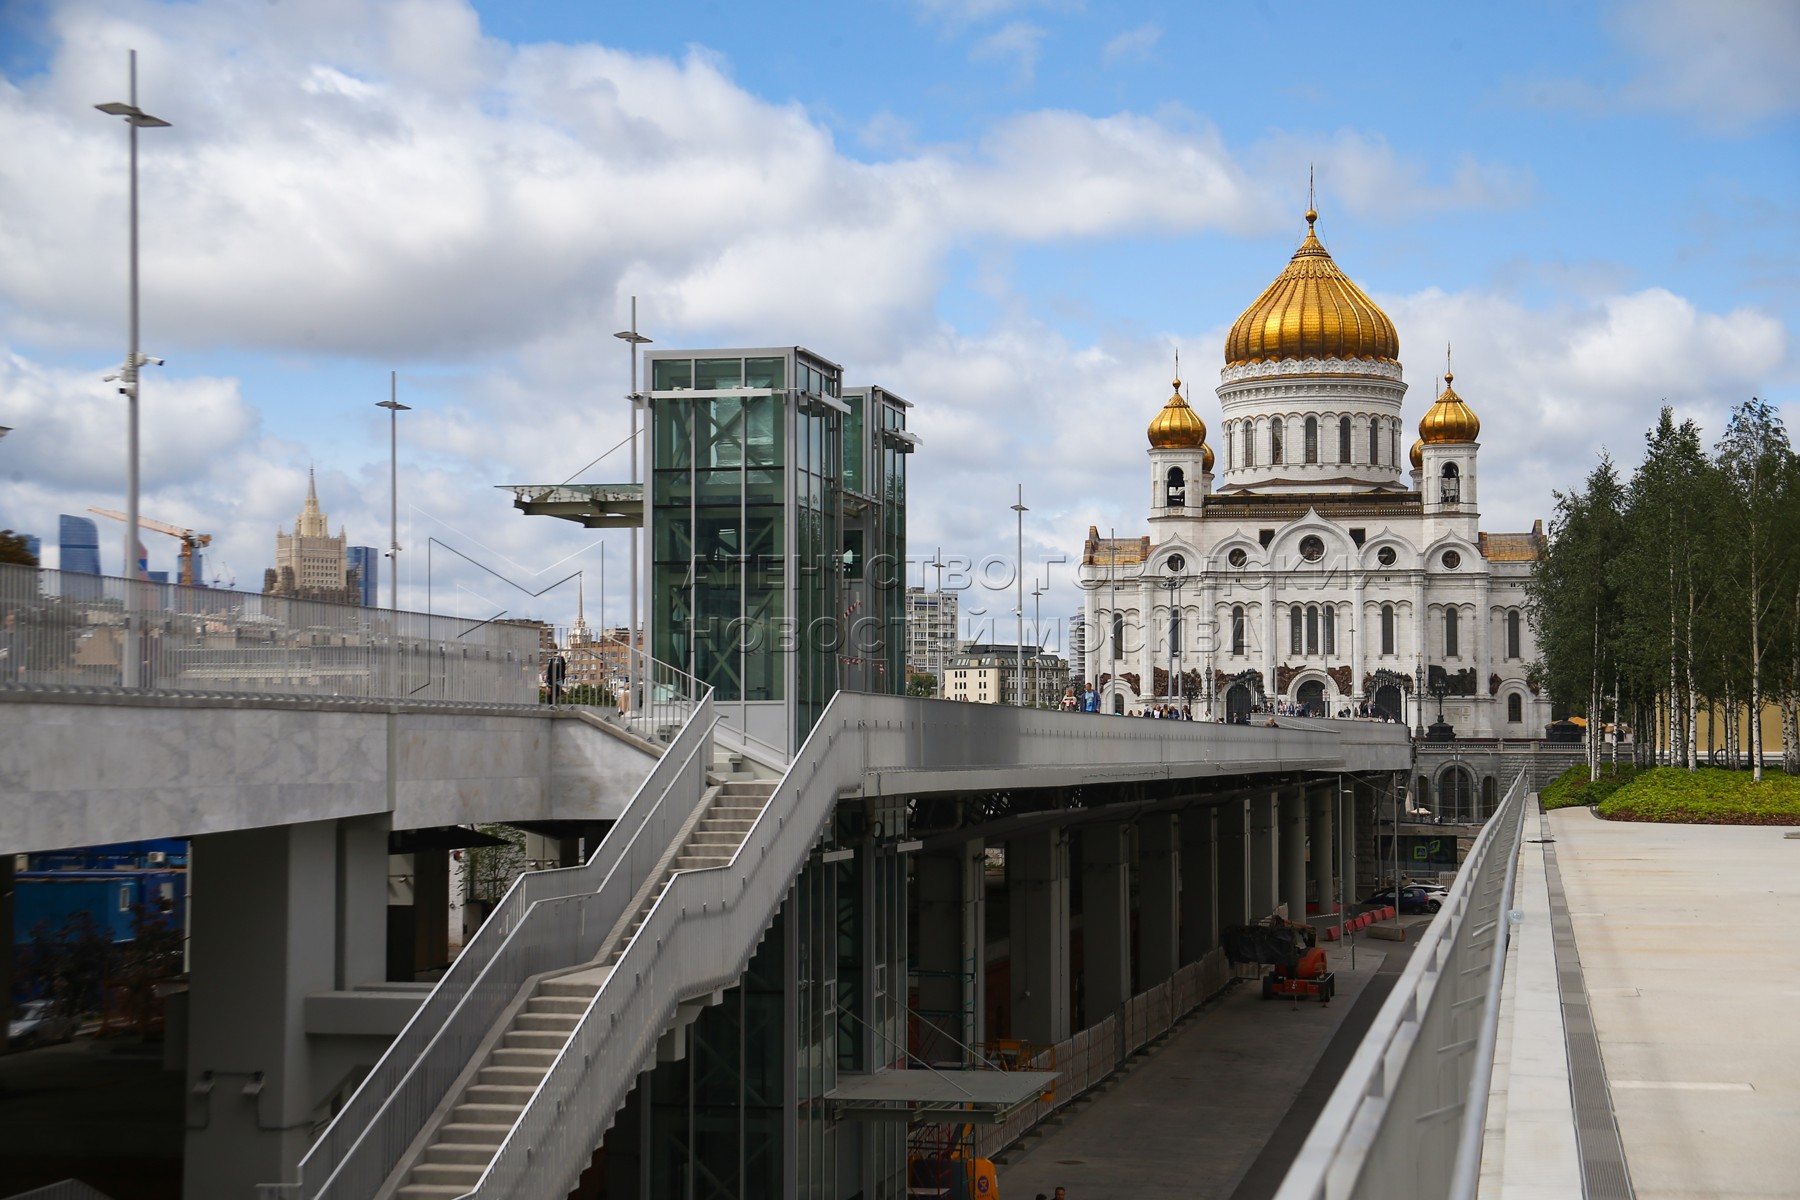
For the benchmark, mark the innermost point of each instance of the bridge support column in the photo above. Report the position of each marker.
(1234, 863)
(1199, 882)
(952, 941)
(1106, 918)
(1293, 854)
(1324, 850)
(1347, 842)
(1265, 849)
(1159, 898)
(263, 937)
(1037, 886)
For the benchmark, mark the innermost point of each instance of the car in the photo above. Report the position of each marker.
(1413, 898)
(37, 1023)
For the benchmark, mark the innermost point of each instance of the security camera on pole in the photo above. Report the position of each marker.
(135, 119)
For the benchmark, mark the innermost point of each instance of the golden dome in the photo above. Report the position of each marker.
(1312, 310)
(1177, 427)
(1206, 457)
(1418, 455)
(1449, 420)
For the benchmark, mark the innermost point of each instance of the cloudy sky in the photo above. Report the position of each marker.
(1012, 213)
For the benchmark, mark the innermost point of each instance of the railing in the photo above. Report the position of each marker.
(1406, 1117)
(542, 923)
(67, 628)
(1097, 1051)
(66, 1189)
(665, 700)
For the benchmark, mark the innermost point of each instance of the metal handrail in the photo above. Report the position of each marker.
(367, 1137)
(698, 937)
(1382, 1131)
(70, 629)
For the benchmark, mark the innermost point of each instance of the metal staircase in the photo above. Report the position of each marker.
(450, 1157)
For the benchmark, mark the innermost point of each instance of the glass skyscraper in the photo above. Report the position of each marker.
(78, 545)
(366, 561)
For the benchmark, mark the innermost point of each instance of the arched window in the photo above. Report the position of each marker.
(1312, 629)
(1452, 484)
(1275, 432)
(1374, 442)
(1118, 636)
(1330, 630)
(1312, 439)
(1344, 439)
(1176, 495)
(1515, 708)
(1175, 631)
(1249, 443)
(1387, 629)
(1512, 634)
(1230, 442)
(1294, 619)
(1394, 444)
(1450, 650)
(1237, 630)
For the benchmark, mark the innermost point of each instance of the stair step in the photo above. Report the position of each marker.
(430, 1191)
(571, 1006)
(503, 1076)
(487, 1114)
(532, 1039)
(537, 1060)
(464, 1175)
(545, 1022)
(473, 1133)
(460, 1152)
(570, 985)
(506, 1094)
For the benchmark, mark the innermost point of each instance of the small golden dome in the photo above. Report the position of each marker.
(1177, 427)
(1418, 455)
(1206, 457)
(1449, 420)
(1312, 310)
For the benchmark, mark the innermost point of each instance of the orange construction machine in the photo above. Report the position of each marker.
(1289, 949)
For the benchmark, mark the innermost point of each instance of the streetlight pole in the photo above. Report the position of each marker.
(1037, 642)
(395, 408)
(633, 339)
(1019, 564)
(135, 119)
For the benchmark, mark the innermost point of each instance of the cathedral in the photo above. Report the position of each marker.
(1310, 570)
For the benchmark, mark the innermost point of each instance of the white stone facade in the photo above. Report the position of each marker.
(1318, 578)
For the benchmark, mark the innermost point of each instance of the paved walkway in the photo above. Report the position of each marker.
(1689, 937)
(1190, 1118)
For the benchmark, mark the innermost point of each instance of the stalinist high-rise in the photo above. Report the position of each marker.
(310, 564)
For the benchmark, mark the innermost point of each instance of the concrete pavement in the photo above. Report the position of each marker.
(1190, 1118)
(1687, 937)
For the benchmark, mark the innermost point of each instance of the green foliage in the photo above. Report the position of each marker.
(1573, 787)
(487, 871)
(921, 683)
(12, 549)
(1709, 796)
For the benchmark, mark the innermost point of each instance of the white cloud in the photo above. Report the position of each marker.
(1018, 42)
(1729, 65)
(1726, 67)
(1368, 178)
(1131, 45)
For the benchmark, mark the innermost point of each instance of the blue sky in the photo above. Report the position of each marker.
(1010, 212)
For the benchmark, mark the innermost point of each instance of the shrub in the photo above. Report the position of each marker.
(1572, 787)
(1709, 796)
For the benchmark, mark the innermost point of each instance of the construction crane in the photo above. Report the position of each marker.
(190, 541)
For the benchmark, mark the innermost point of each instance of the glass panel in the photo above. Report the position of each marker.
(854, 450)
(674, 432)
(762, 432)
(764, 373)
(667, 374)
(713, 374)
